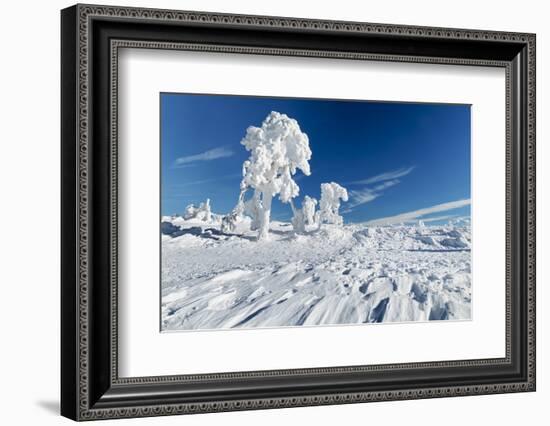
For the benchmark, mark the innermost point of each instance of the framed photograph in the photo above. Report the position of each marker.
(263, 212)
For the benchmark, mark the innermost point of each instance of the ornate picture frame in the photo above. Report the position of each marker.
(91, 37)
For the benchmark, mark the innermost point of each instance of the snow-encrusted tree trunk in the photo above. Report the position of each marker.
(298, 220)
(264, 215)
(253, 210)
(229, 221)
(207, 211)
(305, 215)
(308, 208)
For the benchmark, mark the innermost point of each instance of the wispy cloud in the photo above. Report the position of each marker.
(393, 174)
(419, 214)
(361, 196)
(367, 194)
(370, 191)
(211, 154)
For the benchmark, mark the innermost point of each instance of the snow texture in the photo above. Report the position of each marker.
(350, 274)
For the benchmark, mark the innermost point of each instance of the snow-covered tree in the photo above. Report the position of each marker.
(298, 221)
(202, 212)
(190, 212)
(205, 210)
(277, 150)
(305, 215)
(308, 207)
(331, 194)
(252, 209)
(229, 222)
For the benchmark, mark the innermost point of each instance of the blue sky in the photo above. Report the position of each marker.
(399, 161)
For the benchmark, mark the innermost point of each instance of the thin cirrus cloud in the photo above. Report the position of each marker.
(370, 191)
(391, 175)
(211, 154)
(419, 214)
(365, 195)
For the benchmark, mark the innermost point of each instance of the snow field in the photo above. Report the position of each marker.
(347, 274)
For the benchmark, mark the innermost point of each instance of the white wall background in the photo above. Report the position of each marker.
(29, 214)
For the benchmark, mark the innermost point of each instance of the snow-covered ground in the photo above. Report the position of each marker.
(336, 275)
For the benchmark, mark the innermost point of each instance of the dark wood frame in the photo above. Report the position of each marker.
(91, 37)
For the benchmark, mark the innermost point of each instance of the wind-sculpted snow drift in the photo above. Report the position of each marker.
(335, 274)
